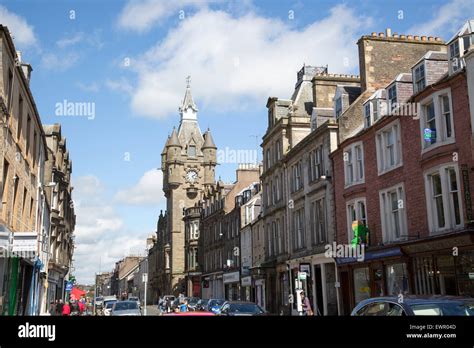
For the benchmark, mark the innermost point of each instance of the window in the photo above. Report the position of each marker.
(269, 160)
(392, 97)
(367, 115)
(9, 94)
(278, 150)
(388, 142)
(355, 211)
(419, 78)
(454, 50)
(437, 125)
(443, 198)
(27, 135)
(20, 117)
(316, 165)
(354, 164)
(338, 107)
(296, 178)
(298, 225)
(397, 279)
(393, 216)
(277, 189)
(191, 151)
(318, 221)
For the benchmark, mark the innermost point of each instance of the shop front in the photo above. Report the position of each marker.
(232, 286)
(443, 265)
(383, 272)
(246, 288)
(212, 286)
(316, 275)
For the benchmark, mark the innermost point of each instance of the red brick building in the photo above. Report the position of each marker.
(409, 180)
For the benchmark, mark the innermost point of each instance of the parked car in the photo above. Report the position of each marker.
(99, 302)
(240, 308)
(192, 303)
(136, 299)
(190, 314)
(214, 305)
(201, 305)
(415, 305)
(126, 308)
(108, 306)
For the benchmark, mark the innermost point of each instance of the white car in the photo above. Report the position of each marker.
(108, 306)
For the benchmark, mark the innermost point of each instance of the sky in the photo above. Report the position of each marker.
(128, 60)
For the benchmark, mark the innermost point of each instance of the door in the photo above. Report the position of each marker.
(319, 302)
(345, 292)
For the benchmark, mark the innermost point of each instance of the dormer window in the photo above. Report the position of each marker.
(338, 107)
(419, 80)
(454, 49)
(392, 97)
(367, 115)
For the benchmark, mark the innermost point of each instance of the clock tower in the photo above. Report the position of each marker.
(188, 163)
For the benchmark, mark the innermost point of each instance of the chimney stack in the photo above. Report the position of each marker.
(388, 32)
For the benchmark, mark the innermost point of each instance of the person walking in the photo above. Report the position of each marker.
(66, 310)
(307, 311)
(52, 308)
(59, 307)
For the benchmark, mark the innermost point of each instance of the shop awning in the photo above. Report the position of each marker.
(371, 255)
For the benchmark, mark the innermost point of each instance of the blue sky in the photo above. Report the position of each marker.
(130, 58)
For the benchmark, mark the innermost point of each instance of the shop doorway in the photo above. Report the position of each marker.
(318, 284)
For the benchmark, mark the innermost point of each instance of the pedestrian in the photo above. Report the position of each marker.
(66, 310)
(307, 311)
(81, 307)
(59, 307)
(184, 306)
(52, 308)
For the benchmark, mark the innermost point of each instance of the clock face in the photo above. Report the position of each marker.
(191, 176)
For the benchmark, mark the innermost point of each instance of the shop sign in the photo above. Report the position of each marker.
(247, 281)
(306, 268)
(231, 277)
(302, 275)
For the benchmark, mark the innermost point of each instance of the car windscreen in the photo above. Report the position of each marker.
(214, 303)
(109, 304)
(123, 306)
(448, 308)
(245, 308)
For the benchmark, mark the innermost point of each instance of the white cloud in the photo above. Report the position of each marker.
(59, 62)
(141, 15)
(102, 237)
(70, 40)
(446, 18)
(92, 87)
(120, 85)
(22, 32)
(235, 58)
(148, 190)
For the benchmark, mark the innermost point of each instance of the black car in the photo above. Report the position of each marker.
(202, 304)
(415, 305)
(240, 308)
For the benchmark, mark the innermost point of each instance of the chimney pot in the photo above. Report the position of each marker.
(374, 34)
(402, 36)
(409, 37)
(395, 35)
(417, 37)
(430, 38)
(388, 32)
(438, 38)
(381, 35)
(423, 38)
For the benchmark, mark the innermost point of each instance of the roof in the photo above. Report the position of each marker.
(173, 139)
(468, 27)
(378, 94)
(208, 141)
(351, 90)
(403, 77)
(433, 55)
(188, 101)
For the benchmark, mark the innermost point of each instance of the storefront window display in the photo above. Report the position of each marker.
(397, 279)
(361, 284)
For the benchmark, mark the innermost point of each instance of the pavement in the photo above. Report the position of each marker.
(152, 310)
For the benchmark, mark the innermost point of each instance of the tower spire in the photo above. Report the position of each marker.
(188, 101)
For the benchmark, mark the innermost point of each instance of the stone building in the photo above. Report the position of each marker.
(24, 212)
(63, 219)
(220, 238)
(193, 271)
(410, 182)
(188, 165)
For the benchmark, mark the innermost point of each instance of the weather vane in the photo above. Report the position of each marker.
(188, 80)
